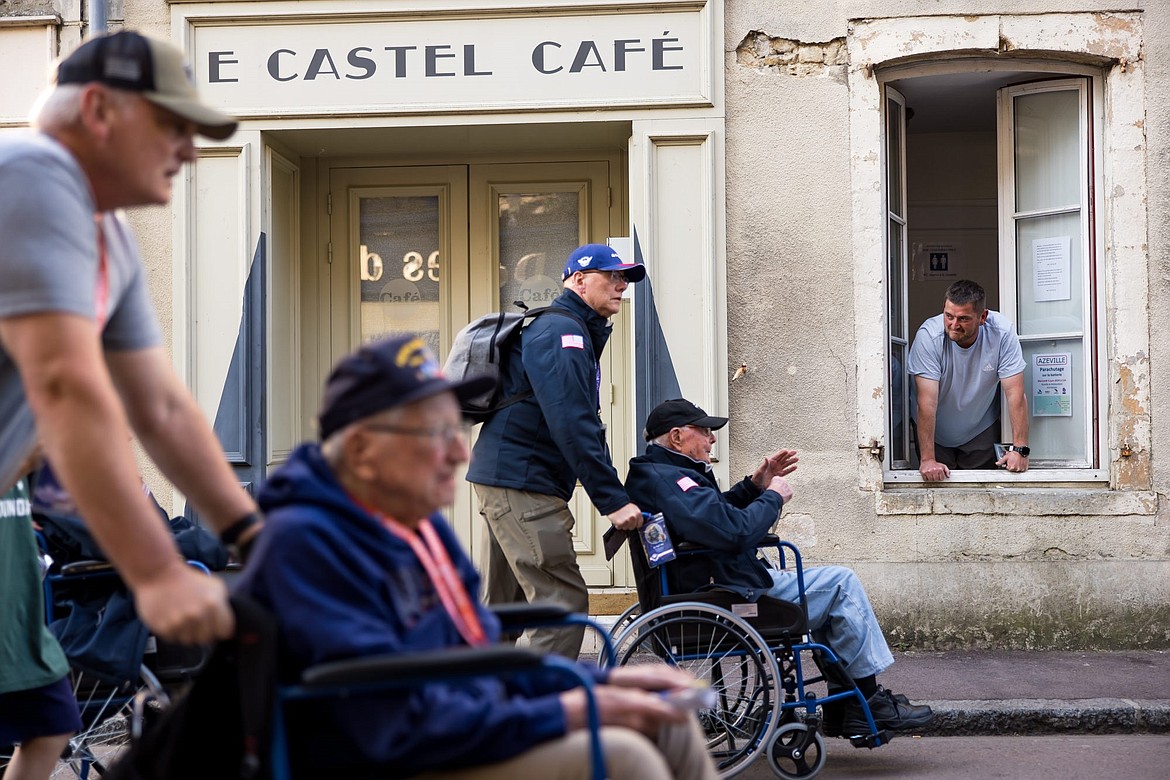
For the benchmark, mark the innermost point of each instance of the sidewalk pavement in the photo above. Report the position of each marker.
(1002, 692)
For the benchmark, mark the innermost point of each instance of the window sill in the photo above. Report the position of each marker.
(1037, 493)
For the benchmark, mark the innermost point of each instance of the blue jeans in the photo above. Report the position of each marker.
(839, 615)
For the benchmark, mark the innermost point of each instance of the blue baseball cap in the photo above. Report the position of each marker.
(384, 374)
(599, 257)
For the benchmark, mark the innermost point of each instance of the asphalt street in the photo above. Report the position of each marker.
(1057, 757)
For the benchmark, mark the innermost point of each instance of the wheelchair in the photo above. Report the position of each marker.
(756, 657)
(114, 664)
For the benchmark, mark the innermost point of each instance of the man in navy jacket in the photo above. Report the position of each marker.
(674, 477)
(530, 454)
(355, 560)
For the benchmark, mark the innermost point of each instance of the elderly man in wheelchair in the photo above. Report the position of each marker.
(674, 478)
(355, 561)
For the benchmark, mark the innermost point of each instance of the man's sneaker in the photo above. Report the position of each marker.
(890, 711)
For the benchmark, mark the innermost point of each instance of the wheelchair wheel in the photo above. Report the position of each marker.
(724, 650)
(107, 717)
(795, 752)
(632, 613)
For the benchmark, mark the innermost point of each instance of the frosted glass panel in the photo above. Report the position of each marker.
(1051, 274)
(399, 264)
(894, 156)
(1047, 158)
(897, 264)
(1053, 436)
(538, 232)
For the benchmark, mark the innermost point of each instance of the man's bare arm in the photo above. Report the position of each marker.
(176, 435)
(1013, 388)
(927, 391)
(86, 436)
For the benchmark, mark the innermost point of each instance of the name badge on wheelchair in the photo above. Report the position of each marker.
(656, 540)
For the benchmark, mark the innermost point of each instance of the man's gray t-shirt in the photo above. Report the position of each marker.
(968, 379)
(49, 263)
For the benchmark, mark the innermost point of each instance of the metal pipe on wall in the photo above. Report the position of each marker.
(98, 18)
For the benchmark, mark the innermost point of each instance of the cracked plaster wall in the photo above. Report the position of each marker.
(1061, 569)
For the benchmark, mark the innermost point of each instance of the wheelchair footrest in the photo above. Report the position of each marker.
(871, 741)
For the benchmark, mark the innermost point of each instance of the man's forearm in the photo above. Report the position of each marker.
(101, 475)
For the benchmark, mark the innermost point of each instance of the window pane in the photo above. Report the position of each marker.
(538, 232)
(898, 449)
(897, 265)
(1048, 166)
(398, 262)
(1051, 275)
(1058, 412)
(894, 155)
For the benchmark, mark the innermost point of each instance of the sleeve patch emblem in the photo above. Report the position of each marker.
(572, 341)
(686, 483)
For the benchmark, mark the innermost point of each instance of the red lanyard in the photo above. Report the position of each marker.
(437, 563)
(102, 288)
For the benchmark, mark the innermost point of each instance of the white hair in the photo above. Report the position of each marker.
(57, 107)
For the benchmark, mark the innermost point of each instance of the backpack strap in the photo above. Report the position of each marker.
(532, 314)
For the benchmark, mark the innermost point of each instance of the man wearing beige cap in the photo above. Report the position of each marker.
(81, 359)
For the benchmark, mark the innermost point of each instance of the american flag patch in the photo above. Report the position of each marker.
(686, 483)
(572, 340)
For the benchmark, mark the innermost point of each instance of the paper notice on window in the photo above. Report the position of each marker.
(1052, 385)
(1051, 268)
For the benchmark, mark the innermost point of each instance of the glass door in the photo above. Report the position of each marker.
(525, 220)
(425, 249)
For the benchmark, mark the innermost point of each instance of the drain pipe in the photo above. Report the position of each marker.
(98, 18)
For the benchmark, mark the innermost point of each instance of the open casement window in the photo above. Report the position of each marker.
(1001, 192)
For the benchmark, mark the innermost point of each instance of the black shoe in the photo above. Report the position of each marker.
(890, 711)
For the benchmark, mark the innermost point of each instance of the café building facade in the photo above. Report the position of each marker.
(802, 181)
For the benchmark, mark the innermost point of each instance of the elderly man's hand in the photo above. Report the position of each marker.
(184, 605)
(781, 463)
(933, 471)
(781, 486)
(628, 518)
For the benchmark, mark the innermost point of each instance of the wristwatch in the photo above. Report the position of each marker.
(1024, 449)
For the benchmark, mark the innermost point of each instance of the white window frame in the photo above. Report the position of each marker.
(879, 50)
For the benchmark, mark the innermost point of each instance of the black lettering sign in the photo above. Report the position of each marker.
(538, 58)
(660, 48)
(367, 66)
(216, 60)
(274, 65)
(400, 59)
(433, 55)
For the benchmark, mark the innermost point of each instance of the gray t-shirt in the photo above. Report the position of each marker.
(49, 262)
(968, 379)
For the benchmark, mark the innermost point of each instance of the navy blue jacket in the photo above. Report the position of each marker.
(548, 441)
(342, 586)
(731, 524)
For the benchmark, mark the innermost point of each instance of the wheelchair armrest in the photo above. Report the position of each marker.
(457, 661)
(520, 614)
(769, 540)
(78, 568)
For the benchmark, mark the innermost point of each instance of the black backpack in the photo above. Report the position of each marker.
(483, 347)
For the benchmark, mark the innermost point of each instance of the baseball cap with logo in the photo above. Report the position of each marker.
(677, 413)
(599, 257)
(153, 68)
(384, 374)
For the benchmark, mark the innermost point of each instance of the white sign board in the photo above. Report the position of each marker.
(1050, 268)
(1052, 385)
(314, 66)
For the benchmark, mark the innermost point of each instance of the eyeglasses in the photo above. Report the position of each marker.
(615, 277)
(701, 429)
(447, 434)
